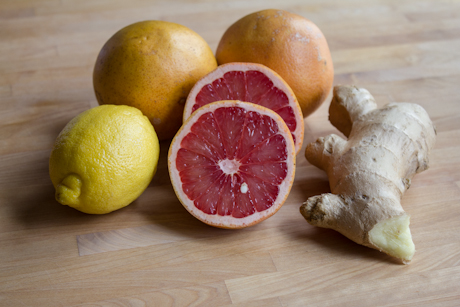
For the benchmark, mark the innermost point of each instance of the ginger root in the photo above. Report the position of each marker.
(369, 173)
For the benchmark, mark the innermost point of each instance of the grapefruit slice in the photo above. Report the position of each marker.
(232, 163)
(249, 82)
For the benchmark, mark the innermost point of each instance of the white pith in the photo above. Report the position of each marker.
(272, 75)
(230, 221)
(244, 188)
(229, 167)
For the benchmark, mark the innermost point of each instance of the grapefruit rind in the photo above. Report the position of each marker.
(244, 67)
(231, 222)
(288, 43)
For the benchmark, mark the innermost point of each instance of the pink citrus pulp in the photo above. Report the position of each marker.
(249, 82)
(232, 163)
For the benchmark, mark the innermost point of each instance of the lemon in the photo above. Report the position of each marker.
(104, 159)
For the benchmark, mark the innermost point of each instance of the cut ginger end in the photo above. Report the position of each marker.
(393, 237)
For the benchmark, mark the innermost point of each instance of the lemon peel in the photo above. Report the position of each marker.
(104, 159)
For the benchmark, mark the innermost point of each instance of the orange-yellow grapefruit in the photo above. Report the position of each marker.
(288, 43)
(249, 82)
(152, 65)
(232, 163)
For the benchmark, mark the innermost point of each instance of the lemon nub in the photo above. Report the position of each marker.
(68, 191)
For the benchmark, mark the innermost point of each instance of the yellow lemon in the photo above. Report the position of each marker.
(104, 159)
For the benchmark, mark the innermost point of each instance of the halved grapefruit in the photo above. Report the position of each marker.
(232, 163)
(249, 82)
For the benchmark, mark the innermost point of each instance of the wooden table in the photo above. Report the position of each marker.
(154, 253)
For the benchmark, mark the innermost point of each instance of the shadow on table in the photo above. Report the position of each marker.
(36, 207)
(29, 194)
(336, 243)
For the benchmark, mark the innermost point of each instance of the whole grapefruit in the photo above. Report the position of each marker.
(152, 65)
(288, 43)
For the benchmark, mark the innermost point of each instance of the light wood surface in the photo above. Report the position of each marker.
(154, 253)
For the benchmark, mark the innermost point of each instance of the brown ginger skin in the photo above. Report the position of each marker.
(369, 173)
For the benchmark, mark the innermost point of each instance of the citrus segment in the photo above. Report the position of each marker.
(232, 163)
(251, 83)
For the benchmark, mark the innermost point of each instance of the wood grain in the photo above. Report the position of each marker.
(153, 252)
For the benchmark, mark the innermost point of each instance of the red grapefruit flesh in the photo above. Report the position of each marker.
(249, 82)
(232, 163)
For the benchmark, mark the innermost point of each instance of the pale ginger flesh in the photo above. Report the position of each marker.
(369, 173)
